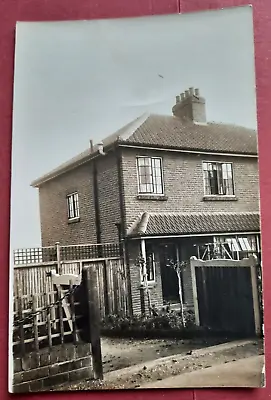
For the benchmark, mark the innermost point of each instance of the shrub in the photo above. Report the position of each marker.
(164, 321)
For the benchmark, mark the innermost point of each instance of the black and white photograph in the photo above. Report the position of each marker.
(135, 245)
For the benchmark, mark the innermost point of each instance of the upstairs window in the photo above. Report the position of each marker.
(218, 179)
(73, 206)
(149, 171)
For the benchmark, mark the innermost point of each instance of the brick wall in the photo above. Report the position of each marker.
(51, 367)
(139, 298)
(183, 184)
(53, 208)
(53, 204)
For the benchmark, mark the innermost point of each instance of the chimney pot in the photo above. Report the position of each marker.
(190, 106)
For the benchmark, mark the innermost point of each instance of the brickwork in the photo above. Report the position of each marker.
(53, 204)
(183, 185)
(53, 208)
(183, 192)
(50, 368)
(139, 298)
(109, 197)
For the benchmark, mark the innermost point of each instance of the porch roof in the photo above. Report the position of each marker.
(157, 224)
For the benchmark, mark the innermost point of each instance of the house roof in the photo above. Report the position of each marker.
(157, 224)
(170, 132)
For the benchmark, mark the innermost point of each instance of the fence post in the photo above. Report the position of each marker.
(195, 290)
(89, 275)
(57, 244)
(255, 294)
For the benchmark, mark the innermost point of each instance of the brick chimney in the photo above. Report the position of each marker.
(190, 106)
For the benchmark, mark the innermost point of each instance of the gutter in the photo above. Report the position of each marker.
(206, 152)
(61, 170)
(188, 235)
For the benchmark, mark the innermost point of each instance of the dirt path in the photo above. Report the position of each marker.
(130, 363)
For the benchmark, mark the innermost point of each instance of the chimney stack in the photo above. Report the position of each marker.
(190, 106)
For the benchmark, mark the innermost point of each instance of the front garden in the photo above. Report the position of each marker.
(162, 324)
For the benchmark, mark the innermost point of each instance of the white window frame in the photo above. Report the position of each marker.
(138, 176)
(233, 179)
(143, 269)
(151, 281)
(237, 243)
(76, 211)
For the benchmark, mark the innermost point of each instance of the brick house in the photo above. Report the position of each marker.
(167, 187)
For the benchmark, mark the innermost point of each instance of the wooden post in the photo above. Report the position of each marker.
(105, 287)
(21, 328)
(49, 327)
(58, 257)
(195, 292)
(89, 275)
(72, 314)
(36, 329)
(61, 322)
(255, 294)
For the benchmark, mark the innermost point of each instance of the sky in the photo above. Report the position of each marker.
(81, 80)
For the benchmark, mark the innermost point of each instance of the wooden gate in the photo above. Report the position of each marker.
(225, 294)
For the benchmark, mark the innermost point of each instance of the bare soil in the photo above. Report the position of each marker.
(123, 353)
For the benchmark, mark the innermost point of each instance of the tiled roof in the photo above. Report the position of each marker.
(170, 132)
(155, 224)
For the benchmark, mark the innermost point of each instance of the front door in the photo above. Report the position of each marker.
(170, 285)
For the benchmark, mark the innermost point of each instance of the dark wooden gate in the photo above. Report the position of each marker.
(226, 296)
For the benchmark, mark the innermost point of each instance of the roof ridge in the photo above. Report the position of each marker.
(142, 226)
(133, 126)
(134, 224)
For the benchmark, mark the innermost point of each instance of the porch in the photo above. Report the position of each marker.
(167, 241)
(168, 261)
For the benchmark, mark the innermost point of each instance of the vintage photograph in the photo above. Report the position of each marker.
(135, 248)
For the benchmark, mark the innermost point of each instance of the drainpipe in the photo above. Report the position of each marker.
(123, 244)
(96, 203)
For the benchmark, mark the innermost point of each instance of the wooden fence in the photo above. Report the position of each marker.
(62, 346)
(33, 267)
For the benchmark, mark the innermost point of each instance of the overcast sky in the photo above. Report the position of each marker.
(76, 81)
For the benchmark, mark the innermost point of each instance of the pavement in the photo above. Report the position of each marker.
(134, 369)
(247, 372)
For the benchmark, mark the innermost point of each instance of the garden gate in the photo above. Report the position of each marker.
(225, 295)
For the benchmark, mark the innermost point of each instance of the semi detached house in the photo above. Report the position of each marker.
(168, 187)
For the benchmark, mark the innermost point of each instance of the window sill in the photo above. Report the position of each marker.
(219, 198)
(151, 285)
(73, 220)
(151, 197)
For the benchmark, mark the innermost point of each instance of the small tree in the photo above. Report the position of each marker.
(178, 267)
